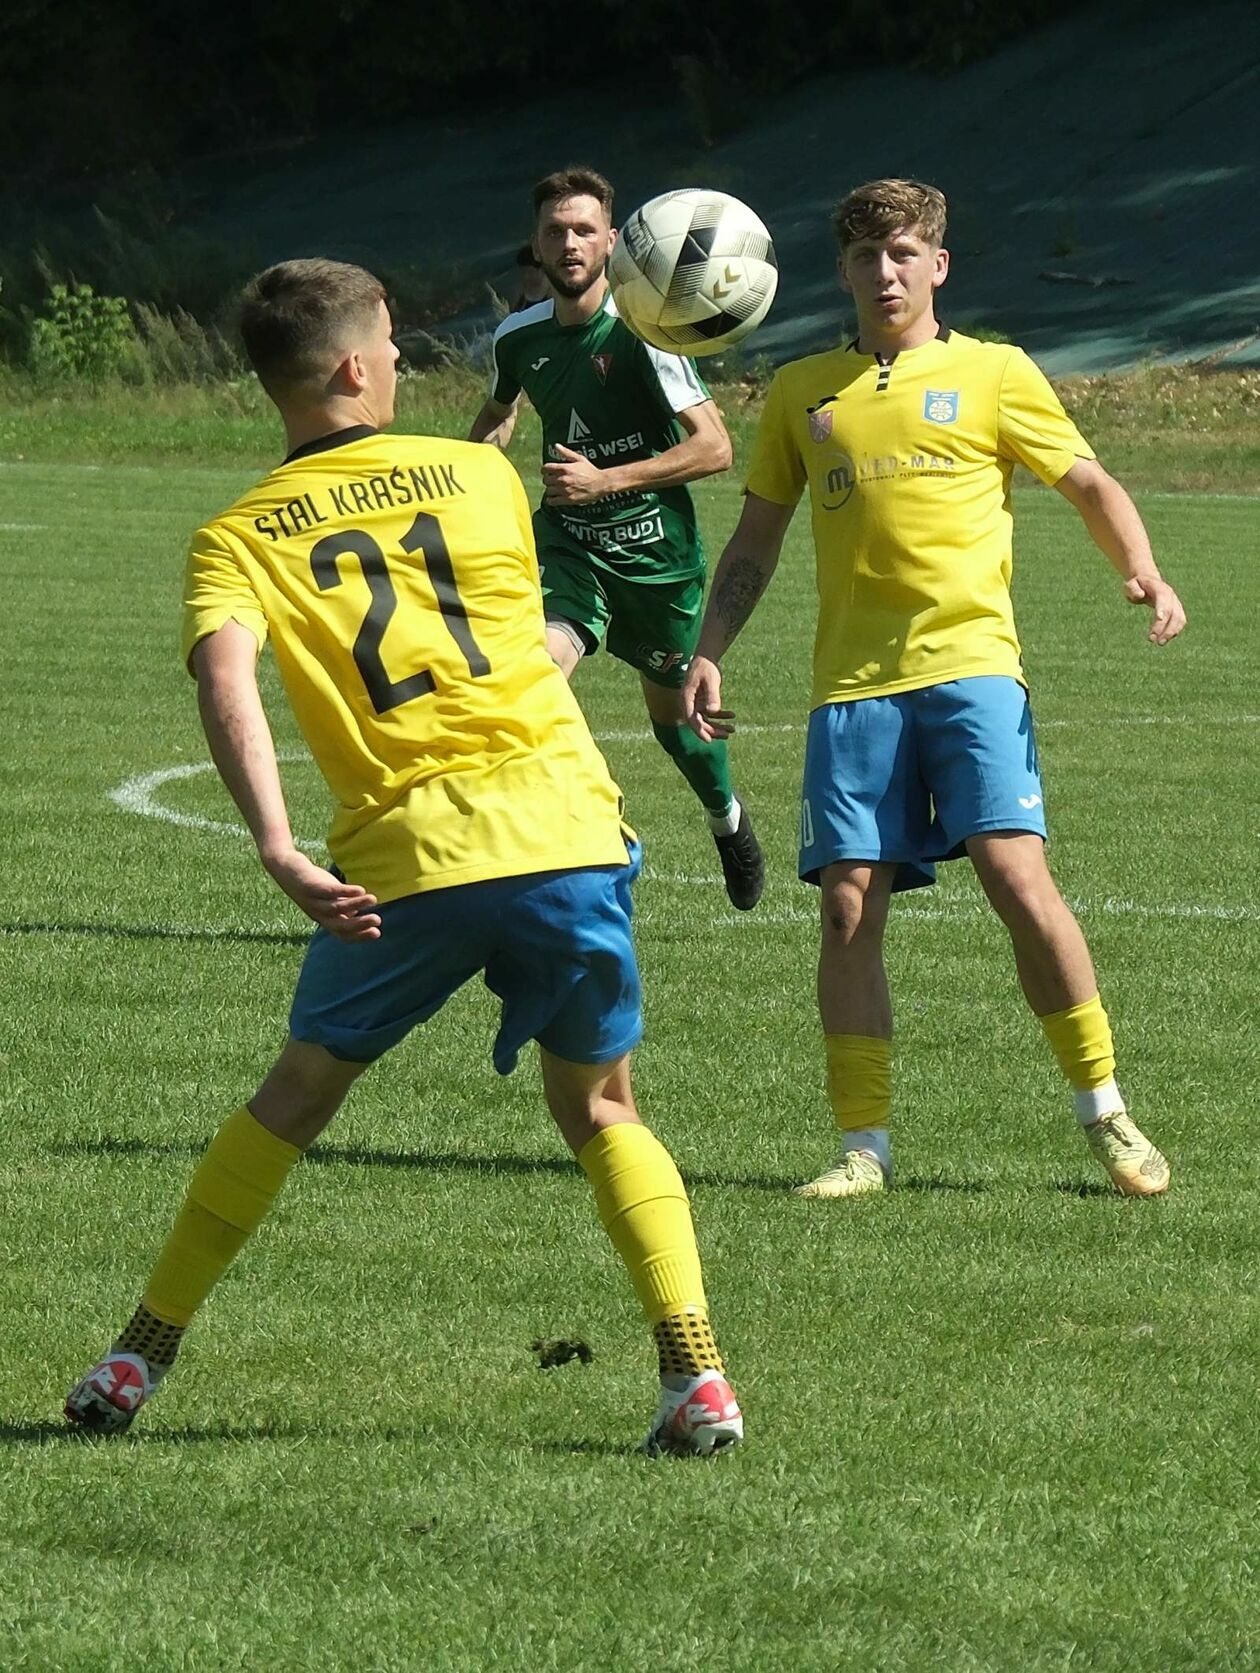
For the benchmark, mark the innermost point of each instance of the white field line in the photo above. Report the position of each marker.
(636, 734)
(23, 528)
(139, 795)
(1113, 906)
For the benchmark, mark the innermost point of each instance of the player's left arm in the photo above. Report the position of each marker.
(224, 664)
(704, 450)
(1116, 528)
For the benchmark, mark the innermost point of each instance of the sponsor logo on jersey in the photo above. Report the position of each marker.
(840, 483)
(592, 449)
(940, 406)
(603, 365)
(615, 537)
(537, 365)
(1030, 802)
(578, 430)
(836, 475)
(819, 425)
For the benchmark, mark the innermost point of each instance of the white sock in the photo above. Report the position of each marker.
(872, 1139)
(724, 824)
(1098, 1101)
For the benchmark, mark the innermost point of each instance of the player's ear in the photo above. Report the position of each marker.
(844, 277)
(942, 269)
(350, 378)
(614, 234)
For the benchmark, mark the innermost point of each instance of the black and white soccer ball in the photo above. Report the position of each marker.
(693, 271)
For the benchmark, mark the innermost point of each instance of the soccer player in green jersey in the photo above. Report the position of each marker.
(625, 427)
(477, 829)
(920, 744)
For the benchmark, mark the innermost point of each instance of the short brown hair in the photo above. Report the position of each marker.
(883, 207)
(576, 181)
(297, 318)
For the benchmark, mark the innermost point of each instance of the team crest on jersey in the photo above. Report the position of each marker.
(940, 406)
(602, 364)
(819, 425)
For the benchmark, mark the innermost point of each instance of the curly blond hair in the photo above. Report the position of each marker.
(883, 207)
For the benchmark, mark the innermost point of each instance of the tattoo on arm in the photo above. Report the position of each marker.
(737, 593)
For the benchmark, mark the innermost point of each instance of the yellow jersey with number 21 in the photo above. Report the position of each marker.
(396, 578)
(908, 465)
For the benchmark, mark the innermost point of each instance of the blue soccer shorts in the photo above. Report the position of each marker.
(908, 778)
(554, 946)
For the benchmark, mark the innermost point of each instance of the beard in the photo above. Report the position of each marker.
(569, 284)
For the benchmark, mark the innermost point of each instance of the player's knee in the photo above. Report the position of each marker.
(1022, 893)
(850, 916)
(303, 1091)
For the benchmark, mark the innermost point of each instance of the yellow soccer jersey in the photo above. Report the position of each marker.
(397, 579)
(909, 471)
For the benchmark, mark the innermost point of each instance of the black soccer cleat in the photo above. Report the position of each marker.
(743, 864)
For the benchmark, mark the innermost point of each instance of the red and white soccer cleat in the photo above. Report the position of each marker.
(703, 1418)
(111, 1394)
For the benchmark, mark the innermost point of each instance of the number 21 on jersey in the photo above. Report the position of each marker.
(424, 536)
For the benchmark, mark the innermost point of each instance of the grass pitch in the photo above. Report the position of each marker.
(1000, 1419)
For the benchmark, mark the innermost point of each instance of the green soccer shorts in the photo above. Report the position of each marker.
(652, 625)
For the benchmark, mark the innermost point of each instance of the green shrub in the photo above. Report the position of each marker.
(83, 335)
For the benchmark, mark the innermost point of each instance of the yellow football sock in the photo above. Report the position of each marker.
(235, 1184)
(859, 1080)
(643, 1204)
(1080, 1038)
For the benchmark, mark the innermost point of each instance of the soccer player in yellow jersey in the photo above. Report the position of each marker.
(476, 826)
(920, 743)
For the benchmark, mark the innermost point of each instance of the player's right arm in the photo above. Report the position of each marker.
(497, 419)
(495, 423)
(776, 477)
(225, 628)
(742, 575)
(235, 722)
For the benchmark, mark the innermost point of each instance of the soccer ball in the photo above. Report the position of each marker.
(693, 272)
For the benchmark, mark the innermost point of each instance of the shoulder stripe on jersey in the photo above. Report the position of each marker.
(677, 377)
(679, 381)
(533, 315)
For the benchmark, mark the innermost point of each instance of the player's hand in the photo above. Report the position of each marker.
(702, 697)
(344, 909)
(1158, 596)
(571, 479)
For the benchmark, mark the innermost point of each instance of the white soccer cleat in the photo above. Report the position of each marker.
(1136, 1168)
(702, 1419)
(858, 1173)
(111, 1394)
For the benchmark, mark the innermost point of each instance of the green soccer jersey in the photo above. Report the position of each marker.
(603, 392)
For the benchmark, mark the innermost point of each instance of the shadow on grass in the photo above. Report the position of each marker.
(588, 1449)
(937, 1182)
(1085, 1188)
(49, 1434)
(358, 1156)
(65, 1434)
(156, 932)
